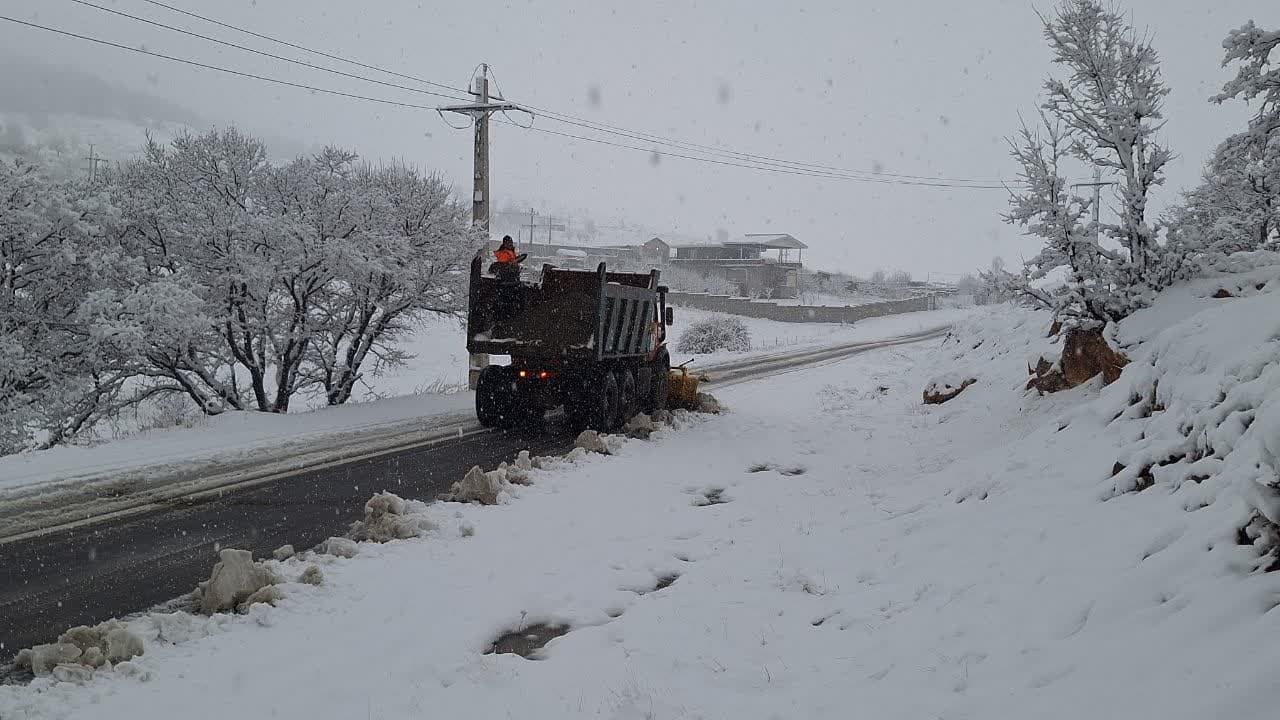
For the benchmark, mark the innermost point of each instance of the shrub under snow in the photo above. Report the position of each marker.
(719, 332)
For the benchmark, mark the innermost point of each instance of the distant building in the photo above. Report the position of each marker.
(747, 264)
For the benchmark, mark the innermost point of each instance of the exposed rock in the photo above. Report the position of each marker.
(339, 547)
(311, 576)
(387, 518)
(1085, 353)
(1222, 293)
(707, 403)
(592, 441)
(235, 577)
(44, 658)
(284, 552)
(269, 594)
(1054, 328)
(940, 390)
(477, 486)
(73, 673)
(640, 427)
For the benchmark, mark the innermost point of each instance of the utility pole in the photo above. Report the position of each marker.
(479, 113)
(93, 160)
(1097, 186)
(532, 227)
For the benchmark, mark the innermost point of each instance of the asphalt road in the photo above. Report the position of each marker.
(86, 574)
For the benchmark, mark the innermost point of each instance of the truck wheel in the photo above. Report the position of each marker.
(627, 389)
(493, 396)
(657, 399)
(607, 405)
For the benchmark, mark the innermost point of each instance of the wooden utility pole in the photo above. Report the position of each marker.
(479, 113)
(93, 160)
(532, 227)
(1097, 186)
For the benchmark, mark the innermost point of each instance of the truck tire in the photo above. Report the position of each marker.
(606, 405)
(494, 398)
(630, 400)
(657, 396)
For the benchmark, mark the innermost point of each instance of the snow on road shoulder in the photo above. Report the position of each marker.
(830, 548)
(772, 336)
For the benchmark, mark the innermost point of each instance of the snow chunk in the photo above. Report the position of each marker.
(640, 427)
(707, 403)
(269, 594)
(340, 547)
(73, 673)
(235, 577)
(311, 576)
(478, 486)
(388, 517)
(44, 658)
(523, 461)
(284, 552)
(592, 441)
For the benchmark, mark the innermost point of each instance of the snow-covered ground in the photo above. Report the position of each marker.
(771, 336)
(838, 550)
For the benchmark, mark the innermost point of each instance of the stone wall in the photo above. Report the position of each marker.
(798, 313)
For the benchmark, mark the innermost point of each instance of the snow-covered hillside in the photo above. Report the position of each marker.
(829, 548)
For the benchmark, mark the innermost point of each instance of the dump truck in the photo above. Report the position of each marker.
(592, 341)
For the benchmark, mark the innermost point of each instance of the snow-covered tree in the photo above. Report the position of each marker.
(1048, 209)
(1111, 102)
(58, 373)
(409, 258)
(1258, 78)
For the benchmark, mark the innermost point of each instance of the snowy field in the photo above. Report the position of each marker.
(770, 336)
(830, 548)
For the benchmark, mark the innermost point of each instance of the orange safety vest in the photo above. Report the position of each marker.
(503, 255)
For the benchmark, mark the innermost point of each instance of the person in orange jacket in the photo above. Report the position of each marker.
(506, 252)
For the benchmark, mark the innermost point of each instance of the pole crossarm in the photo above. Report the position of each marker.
(475, 109)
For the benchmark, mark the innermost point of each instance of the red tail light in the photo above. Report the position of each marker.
(544, 375)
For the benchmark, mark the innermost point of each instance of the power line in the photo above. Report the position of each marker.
(585, 123)
(263, 53)
(194, 63)
(303, 48)
(805, 173)
(397, 103)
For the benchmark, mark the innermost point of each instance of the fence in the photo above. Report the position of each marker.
(799, 313)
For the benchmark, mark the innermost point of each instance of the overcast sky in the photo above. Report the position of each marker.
(918, 88)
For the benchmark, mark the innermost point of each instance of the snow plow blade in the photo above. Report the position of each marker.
(682, 389)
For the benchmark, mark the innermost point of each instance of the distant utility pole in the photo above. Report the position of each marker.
(532, 227)
(553, 226)
(479, 113)
(1097, 186)
(93, 159)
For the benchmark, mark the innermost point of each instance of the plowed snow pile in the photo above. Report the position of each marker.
(832, 548)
